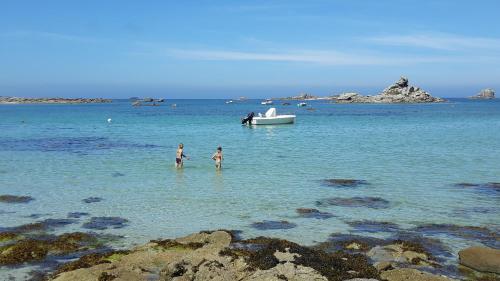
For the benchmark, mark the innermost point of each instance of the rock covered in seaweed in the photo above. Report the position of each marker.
(485, 94)
(217, 256)
(399, 92)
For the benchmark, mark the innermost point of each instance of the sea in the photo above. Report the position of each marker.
(427, 169)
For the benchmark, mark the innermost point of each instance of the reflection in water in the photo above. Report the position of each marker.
(179, 178)
(218, 180)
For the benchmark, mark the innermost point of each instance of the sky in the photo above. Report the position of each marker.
(226, 49)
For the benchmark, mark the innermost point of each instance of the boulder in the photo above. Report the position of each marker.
(406, 274)
(481, 259)
(485, 94)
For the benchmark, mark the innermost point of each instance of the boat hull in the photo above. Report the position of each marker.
(281, 119)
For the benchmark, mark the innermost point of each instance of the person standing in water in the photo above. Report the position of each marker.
(179, 156)
(217, 157)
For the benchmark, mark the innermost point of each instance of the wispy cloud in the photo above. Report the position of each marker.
(441, 41)
(27, 34)
(304, 56)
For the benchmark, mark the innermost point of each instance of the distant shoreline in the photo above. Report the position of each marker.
(19, 100)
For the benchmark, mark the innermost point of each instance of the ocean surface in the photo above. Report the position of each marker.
(411, 156)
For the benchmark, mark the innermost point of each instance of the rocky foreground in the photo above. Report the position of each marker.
(399, 92)
(18, 100)
(219, 255)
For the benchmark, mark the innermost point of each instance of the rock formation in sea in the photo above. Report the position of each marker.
(485, 94)
(19, 100)
(399, 92)
(302, 96)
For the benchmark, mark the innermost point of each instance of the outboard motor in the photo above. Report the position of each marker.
(248, 119)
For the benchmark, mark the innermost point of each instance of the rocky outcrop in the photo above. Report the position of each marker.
(18, 100)
(217, 256)
(482, 259)
(399, 92)
(485, 94)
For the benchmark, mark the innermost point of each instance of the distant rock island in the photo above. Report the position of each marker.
(485, 94)
(399, 92)
(18, 100)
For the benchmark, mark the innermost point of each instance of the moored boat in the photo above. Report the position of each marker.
(270, 118)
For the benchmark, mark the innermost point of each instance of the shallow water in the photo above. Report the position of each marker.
(410, 155)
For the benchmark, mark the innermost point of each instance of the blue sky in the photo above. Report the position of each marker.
(219, 49)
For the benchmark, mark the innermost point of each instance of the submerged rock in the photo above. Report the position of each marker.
(102, 223)
(373, 226)
(15, 199)
(481, 259)
(270, 225)
(357, 202)
(343, 182)
(22, 250)
(399, 92)
(349, 242)
(40, 226)
(481, 234)
(490, 187)
(77, 215)
(92, 200)
(485, 94)
(313, 213)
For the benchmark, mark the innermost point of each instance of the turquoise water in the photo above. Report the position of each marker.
(411, 155)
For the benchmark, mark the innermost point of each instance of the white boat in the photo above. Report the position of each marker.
(271, 118)
(267, 102)
(229, 102)
(301, 104)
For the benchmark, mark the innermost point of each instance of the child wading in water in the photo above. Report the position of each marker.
(179, 155)
(217, 157)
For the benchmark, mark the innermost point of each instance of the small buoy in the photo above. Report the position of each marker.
(109, 120)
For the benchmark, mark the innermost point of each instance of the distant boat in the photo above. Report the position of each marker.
(267, 102)
(301, 104)
(160, 100)
(136, 103)
(285, 103)
(174, 105)
(271, 118)
(242, 98)
(229, 102)
(147, 100)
